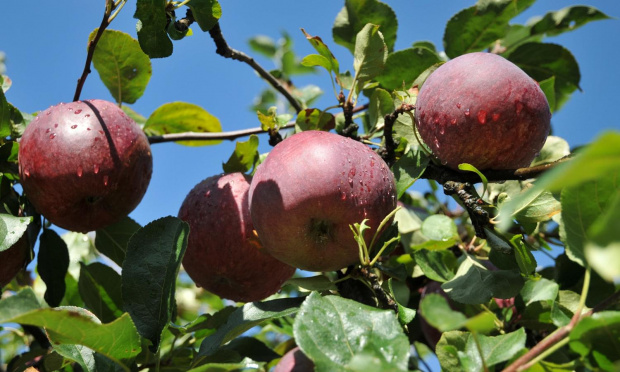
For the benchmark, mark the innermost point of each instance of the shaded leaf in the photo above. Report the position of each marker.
(52, 265)
(596, 339)
(244, 157)
(436, 265)
(539, 290)
(314, 119)
(312, 283)
(206, 13)
(554, 149)
(602, 251)
(370, 53)
(381, 104)
(11, 229)
(112, 240)
(408, 169)
(154, 255)
(404, 66)
(565, 19)
(122, 65)
(180, 117)
(264, 45)
(151, 27)
(356, 14)
(548, 88)
(100, 288)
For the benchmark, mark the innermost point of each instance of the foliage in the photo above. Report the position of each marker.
(127, 305)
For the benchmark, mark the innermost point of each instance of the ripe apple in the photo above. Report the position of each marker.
(307, 192)
(294, 361)
(482, 109)
(223, 255)
(85, 164)
(13, 260)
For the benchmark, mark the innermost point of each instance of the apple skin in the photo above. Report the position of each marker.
(482, 109)
(85, 164)
(294, 361)
(223, 255)
(307, 192)
(14, 259)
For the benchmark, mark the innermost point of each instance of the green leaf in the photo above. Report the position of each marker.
(5, 113)
(597, 160)
(474, 284)
(548, 87)
(370, 53)
(545, 206)
(498, 349)
(539, 290)
(439, 227)
(264, 45)
(314, 119)
(404, 66)
(581, 206)
(154, 255)
(52, 265)
(450, 351)
(436, 265)
(381, 104)
(603, 250)
(408, 169)
(565, 19)
(11, 229)
(542, 61)
(151, 27)
(554, 149)
(524, 257)
(122, 65)
(245, 317)
(112, 240)
(313, 283)
(100, 288)
(470, 168)
(118, 340)
(244, 157)
(356, 14)
(327, 60)
(180, 117)
(332, 330)
(246, 364)
(595, 338)
(206, 13)
(435, 309)
(475, 28)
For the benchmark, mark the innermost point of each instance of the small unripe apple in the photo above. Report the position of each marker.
(223, 255)
(85, 164)
(482, 109)
(13, 260)
(311, 187)
(294, 361)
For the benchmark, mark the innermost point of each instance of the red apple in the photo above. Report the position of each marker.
(13, 260)
(223, 255)
(307, 192)
(84, 165)
(482, 109)
(294, 361)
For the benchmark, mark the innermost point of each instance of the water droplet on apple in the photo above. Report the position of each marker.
(87, 115)
(467, 112)
(87, 128)
(77, 112)
(442, 130)
(48, 130)
(351, 181)
(27, 172)
(343, 196)
(56, 125)
(53, 135)
(458, 105)
(519, 107)
(80, 171)
(96, 138)
(453, 121)
(96, 168)
(482, 116)
(495, 116)
(444, 162)
(105, 180)
(47, 113)
(73, 126)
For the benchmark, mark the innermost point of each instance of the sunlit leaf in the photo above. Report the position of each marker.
(180, 117)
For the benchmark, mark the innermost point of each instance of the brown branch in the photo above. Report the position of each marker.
(559, 335)
(390, 144)
(230, 136)
(105, 22)
(227, 52)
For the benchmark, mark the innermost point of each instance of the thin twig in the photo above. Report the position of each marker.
(227, 52)
(105, 22)
(231, 136)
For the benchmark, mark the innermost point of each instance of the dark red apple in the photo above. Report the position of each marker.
(307, 192)
(84, 165)
(482, 109)
(223, 255)
(13, 260)
(294, 361)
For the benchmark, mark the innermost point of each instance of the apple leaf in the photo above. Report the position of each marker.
(555, 148)
(565, 19)
(370, 53)
(539, 290)
(5, 112)
(154, 256)
(548, 88)
(112, 240)
(245, 317)
(12, 229)
(542, 61)
(52, 265)
(118, 340)
(247, 364)
(381, 104)
(244, 157)
(326, 60)
(100, 288)
(474, 284)
(206, 13)
(597, 160)
(436, 265)
(439, 227)
(264, 45)
(356, 14)
(313, 283)
(602, 251)
(181, 117)
(403, 67)
(151, 27)
(437, 312)
(475, 28)
(595, 338)
(314, 119)
(333, 331)
(408, 169)
(581, 206)
(122, 65)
